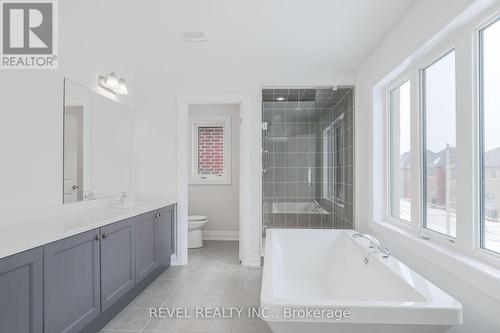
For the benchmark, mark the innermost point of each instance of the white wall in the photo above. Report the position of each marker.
(219, 202)
(31, 104)
(420, 30)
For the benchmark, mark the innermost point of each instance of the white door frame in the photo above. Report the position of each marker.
(249, 212)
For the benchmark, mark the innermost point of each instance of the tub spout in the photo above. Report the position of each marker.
(374, 243)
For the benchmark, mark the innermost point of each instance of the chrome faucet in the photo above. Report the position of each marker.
(122, 198)
(317, 206)
(374, 243)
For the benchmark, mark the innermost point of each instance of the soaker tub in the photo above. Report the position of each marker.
(319, 281)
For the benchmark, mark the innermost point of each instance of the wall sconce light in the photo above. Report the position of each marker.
(112, 83)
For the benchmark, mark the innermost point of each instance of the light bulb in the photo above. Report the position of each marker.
(122, 88)
(112, 80)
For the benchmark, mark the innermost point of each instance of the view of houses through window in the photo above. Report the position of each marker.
(440, 145)
(490, 98)
(400, 152)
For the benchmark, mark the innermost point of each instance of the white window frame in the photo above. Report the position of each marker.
(388, 209)
(219, 121)
(436, 57)
(462, 256)
(478, 69)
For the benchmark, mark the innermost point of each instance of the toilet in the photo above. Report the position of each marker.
(195, 224)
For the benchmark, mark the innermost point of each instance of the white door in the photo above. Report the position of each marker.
(73, 155)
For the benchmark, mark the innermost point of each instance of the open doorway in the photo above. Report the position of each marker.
(249, 170)
(213, 190)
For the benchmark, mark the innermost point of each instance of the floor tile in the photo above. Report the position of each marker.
(214, 278)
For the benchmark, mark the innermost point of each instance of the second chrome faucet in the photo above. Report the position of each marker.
(374, 243)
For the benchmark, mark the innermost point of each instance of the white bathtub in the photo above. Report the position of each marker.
(350, 288)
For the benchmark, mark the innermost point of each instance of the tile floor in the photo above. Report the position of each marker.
(213, 278)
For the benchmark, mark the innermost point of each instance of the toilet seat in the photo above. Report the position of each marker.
(196, 218)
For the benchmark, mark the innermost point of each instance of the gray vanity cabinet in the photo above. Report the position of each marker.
(21, 293)
(72, 283)
(117, 261)
(146, 245)
(166, 234)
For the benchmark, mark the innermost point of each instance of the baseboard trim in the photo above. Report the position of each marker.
(221, 235)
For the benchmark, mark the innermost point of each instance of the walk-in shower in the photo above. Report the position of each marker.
(307, 157)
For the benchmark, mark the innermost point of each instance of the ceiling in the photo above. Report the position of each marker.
(268, 35)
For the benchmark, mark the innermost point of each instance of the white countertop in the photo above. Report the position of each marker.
(22, 231)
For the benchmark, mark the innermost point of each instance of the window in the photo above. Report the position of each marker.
(400, 152)
(439, 145)
(490, 141)
(211, 152)
(333, 151)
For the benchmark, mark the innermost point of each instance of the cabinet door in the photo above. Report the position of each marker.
(146, 245)
(21, 292)
(71, 282)
(117, 261)
(166, 218)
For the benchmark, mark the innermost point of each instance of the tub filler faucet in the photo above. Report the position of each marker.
(374, 243)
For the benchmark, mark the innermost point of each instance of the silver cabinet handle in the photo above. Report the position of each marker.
(74, 187)
(98, 237)
(104, 235)
(158, 215)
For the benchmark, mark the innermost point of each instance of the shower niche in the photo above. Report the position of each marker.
(307, 157)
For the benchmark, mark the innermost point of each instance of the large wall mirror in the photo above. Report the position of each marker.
(98, 145)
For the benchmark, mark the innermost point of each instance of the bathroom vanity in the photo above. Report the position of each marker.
(74, 269)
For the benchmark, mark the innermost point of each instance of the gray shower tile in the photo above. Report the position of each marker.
(291, 174)
(267, 205)
(267, 114)
(348, 120)
(312, 191)
(277, 130)
(326, 222)
(267, 190)
(303, 190)
(279, 189)
(291, 190)
(303, 145)
(267, 176)
(291, 144)
(303, 129)
(279, 174)
(291, 220)
(315, 221)
(291, 130)
(349, 212)
(348, 174)
(291, 115)
(303, 221)
(348, 193)
(279, 145)
(267, 219)
(279, 220)
(302, 175)
(349, 100)
(280, 160)
(278, 116)
(291, 160)
(303, 160)
(327, 115)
